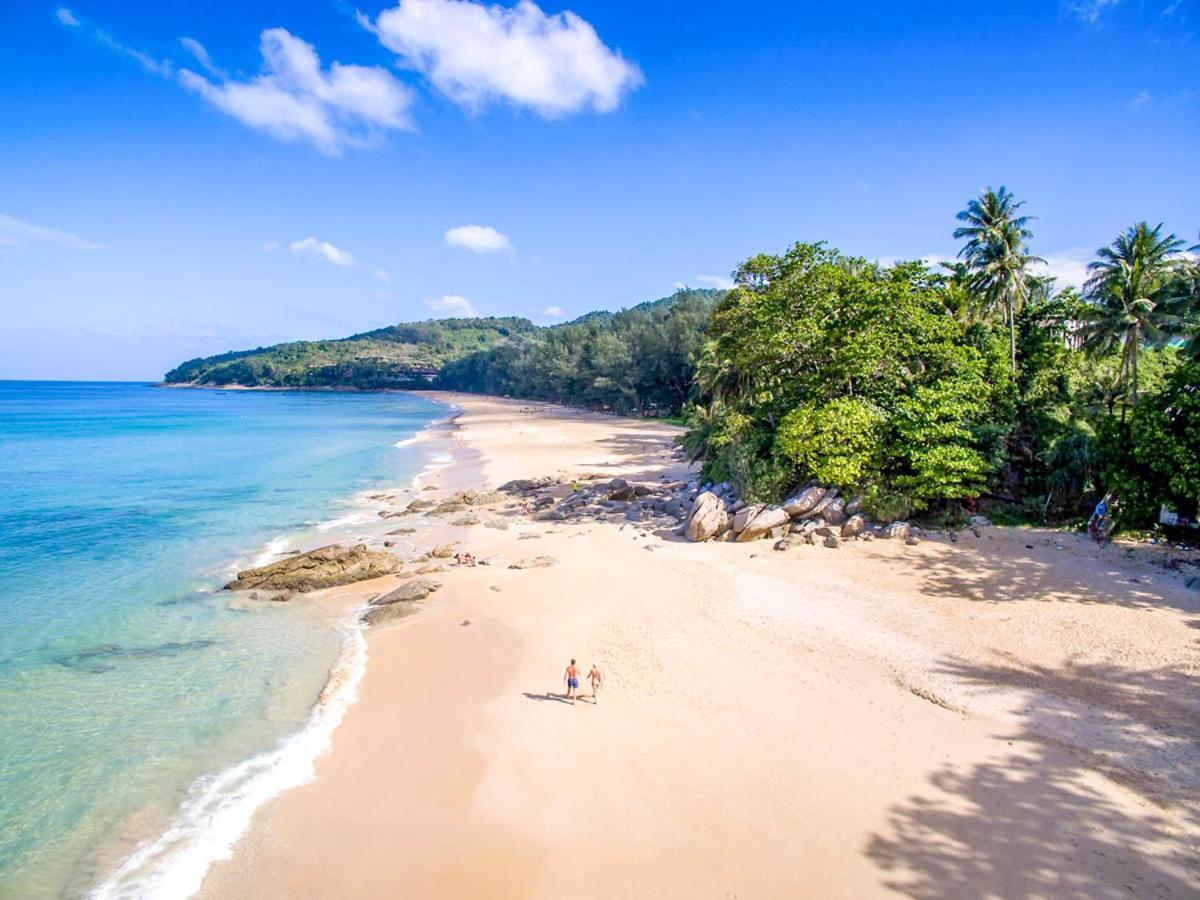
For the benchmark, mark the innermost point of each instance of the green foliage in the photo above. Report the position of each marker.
(641, 360)
(804, 439)
(398, 356)
(827, 367)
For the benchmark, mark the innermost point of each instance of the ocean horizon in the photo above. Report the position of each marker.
(143, 709)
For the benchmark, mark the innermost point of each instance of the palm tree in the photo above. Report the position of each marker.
(1130, 282)
(996, 253)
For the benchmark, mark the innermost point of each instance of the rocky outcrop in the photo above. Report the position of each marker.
(763, 523)
(708, 518)
(410, 591)
(804, 502)
(382, 615)
(322, 568)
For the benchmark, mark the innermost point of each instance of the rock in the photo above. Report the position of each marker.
(854, 507)
(533, 562)
(418, 589)
(854, 526)
(790, 541)
(381, 615)
(835, 512)
(979, 521)
(868, 536)
(325, 567)
(744, 516)
(466, 521)
(429, 570)
(831, 542)
(443, 551)
(498, 524)
(766, 521)
(804, 501)
(521, 485)
(912, 540)
(620, 489)
(403, 531)
(707, 518)
(901, 530)
(419, 504)
(389, 543)
(822, 505)
(1193, 583)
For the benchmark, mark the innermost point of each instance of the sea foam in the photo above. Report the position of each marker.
(220, 807)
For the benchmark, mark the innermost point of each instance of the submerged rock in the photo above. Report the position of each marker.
(321, 568)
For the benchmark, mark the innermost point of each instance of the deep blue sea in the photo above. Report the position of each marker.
(135, 699)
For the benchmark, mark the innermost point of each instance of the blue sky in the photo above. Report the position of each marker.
(162, 199)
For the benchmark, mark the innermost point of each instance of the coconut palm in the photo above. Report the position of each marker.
(1129, 296)
(996, 253)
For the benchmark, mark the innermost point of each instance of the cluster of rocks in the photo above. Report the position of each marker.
(460, 502)
(398, 603)
(593, 498)
(816, 514)
(321, 568)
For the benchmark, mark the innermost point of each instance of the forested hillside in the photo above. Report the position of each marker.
(394, 357)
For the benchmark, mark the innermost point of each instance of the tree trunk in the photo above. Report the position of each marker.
(1012, 333)
(1133, 361)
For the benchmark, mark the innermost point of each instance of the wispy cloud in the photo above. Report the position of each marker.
(270, 246)
(715, 281)
(323, 250)
(160, 67)
(1140, 99)
(554, 312)
(383, 274)
(476, 53)
(1089, 10)
(478, 238)
(453, 304)
(295, 98)
(15, 231)
(201, 56)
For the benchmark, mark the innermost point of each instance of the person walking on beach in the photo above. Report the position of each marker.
(571, 676)
(596, 677)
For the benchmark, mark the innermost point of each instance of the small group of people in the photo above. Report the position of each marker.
(571, 679)
(465, 559)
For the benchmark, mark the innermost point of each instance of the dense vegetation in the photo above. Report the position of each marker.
(918, 388)
(395, 357)
(641, 360)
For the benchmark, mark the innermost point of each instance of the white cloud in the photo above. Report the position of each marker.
(65, 17)
(322, 249)
(475, 54)
(68, 19)
(455, 305)
(1089, 10)
(1141, 99)
(1067, 267)
(14, 231)
(197, 50)
(715, 281)
(554, 312)
(383, 275)
(478, 239)
(296, 99)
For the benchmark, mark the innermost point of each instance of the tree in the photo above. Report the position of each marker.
(996, 254)
(1129, 284)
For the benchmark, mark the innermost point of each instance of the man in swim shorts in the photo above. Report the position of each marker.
(571, 676)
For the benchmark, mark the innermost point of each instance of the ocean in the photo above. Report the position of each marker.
(143, 714)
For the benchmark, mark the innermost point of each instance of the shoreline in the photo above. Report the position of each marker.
(205, 826)
(444, 778)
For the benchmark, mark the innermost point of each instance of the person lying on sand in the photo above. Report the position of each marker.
(571, 677)
(464, 559)
(596, 678)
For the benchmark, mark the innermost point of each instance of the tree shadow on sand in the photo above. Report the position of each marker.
(1030, 823)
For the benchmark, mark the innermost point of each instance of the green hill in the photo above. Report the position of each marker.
(406, 355)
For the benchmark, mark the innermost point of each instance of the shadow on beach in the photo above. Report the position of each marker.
(1028, 824)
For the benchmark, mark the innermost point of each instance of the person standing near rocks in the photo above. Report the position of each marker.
(571, 677)
(596, 677)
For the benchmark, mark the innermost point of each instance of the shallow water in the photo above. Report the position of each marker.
(123, 675)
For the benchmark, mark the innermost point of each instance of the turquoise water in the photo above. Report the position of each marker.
(123, 675)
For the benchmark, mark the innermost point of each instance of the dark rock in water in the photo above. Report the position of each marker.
(418, 589)
(534, 562)
(322, 568)
(94, 659)
(382, 615)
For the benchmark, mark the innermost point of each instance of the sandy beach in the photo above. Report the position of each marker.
(1013, 714)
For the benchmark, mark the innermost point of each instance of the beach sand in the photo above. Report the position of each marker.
(1011, 715)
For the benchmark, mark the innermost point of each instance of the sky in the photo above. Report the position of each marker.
(183, 179)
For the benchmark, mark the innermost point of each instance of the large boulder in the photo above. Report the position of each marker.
(707, 519)
(764, 523)
(382, 615)
(899, 530)
(854, 526)
(410, 591)
(824, 504)
(835, 512)
(744, 516)
(804, 501)
(322, 568)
